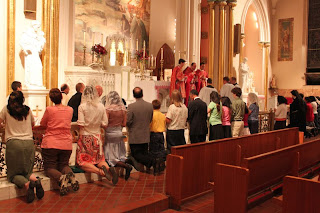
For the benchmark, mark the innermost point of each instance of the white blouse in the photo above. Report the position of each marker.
(281, 111)
(92, 118)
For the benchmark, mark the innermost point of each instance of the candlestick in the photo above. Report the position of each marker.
(144, 49)
(155, 61)
(84, 54)
(151, 60)
(161, 69)
(161, 53)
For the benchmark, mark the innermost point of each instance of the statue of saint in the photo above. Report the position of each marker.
(244, 68)
(32, 43)
(273, 83)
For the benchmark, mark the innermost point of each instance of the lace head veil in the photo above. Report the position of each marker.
(90, 96)
(114, 101)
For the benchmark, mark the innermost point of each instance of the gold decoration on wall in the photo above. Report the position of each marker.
(222, 28)
(211, 40)
(231, 37)
(11, 18)
(265, 47)
(50, 27)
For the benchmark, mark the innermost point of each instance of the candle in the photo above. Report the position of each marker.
(93, 39)
(151, 60)
(144, 49)
(161, 53)
(84, 38)
(155, 61)
(137, 45)
(101, 39)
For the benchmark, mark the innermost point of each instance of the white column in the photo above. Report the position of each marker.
(66, 38)
(3, 52)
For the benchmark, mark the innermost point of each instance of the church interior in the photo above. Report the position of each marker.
(270, 48)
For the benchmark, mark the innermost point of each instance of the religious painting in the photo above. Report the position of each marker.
(96, 20)
(285, 42)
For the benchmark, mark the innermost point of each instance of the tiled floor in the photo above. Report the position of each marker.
(93, 197)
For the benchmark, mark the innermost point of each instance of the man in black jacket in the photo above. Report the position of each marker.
(197, 117)
(75, 101)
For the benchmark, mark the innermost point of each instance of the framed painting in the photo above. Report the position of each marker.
(285, 42)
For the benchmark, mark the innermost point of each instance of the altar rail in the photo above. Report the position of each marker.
(37, 137)
(266, 121)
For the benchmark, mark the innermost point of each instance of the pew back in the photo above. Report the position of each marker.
(200, 159)
(300, 195)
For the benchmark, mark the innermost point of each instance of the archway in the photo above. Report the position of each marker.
(255, 25)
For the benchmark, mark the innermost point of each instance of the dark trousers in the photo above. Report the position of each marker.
(56, 162)
(227, 131)
(156, 145)
(197, 138)
(253, 126)
(280, 125)
(175, 138)
(140, 153)
(316, 120)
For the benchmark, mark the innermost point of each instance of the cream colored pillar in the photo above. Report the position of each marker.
(211, 39)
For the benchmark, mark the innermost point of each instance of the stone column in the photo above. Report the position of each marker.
(211, 40)
(231, 5)
(222, 27)
(265, 47)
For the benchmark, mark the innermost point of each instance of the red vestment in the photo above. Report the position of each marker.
(177, 81)
(190, 83)
(201, 78)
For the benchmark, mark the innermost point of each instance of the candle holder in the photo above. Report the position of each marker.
(161, 70)
(84, 54)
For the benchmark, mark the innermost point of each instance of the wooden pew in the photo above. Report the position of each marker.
(262, 174)
(300, 195)
(199, 159)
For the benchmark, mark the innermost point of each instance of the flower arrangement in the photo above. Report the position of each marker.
(139, 56)
(98, 50)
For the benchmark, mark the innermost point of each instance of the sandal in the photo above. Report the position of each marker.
(74, 183)
(64, 185)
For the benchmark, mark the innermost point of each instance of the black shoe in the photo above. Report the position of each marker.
(128, 171)
(156, 166)
(73, 181)
(30, 192)
(106, 173)
(114, 175)
(39, 188)
(133, 162)
(162, 166)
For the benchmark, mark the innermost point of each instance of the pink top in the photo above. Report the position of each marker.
(226, 116)
(57, 120)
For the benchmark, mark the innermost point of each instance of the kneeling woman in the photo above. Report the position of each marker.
(115, 150)
(57, 143)
(92, 116)
(20, 151)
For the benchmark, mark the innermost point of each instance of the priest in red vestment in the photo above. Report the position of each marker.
(190, 83)
(202, 76)
(178, 79)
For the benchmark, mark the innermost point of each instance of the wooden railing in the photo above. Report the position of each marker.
(266, 121)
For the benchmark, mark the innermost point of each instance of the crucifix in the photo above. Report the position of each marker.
(37, 110)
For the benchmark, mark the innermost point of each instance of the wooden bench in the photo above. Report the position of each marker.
(259, 176)
(300, 195)
(198, 160)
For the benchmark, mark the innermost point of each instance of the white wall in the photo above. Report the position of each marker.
(3, 52)
(290, 74)
(163, 14)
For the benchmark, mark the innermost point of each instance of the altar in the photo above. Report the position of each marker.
(156, 90)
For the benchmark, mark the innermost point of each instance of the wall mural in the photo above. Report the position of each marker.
(285, 42)
(95, 20)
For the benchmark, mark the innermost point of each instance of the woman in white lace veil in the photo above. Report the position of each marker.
(114, 101)
(114, 149)
(92, 116)
(90, 96)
